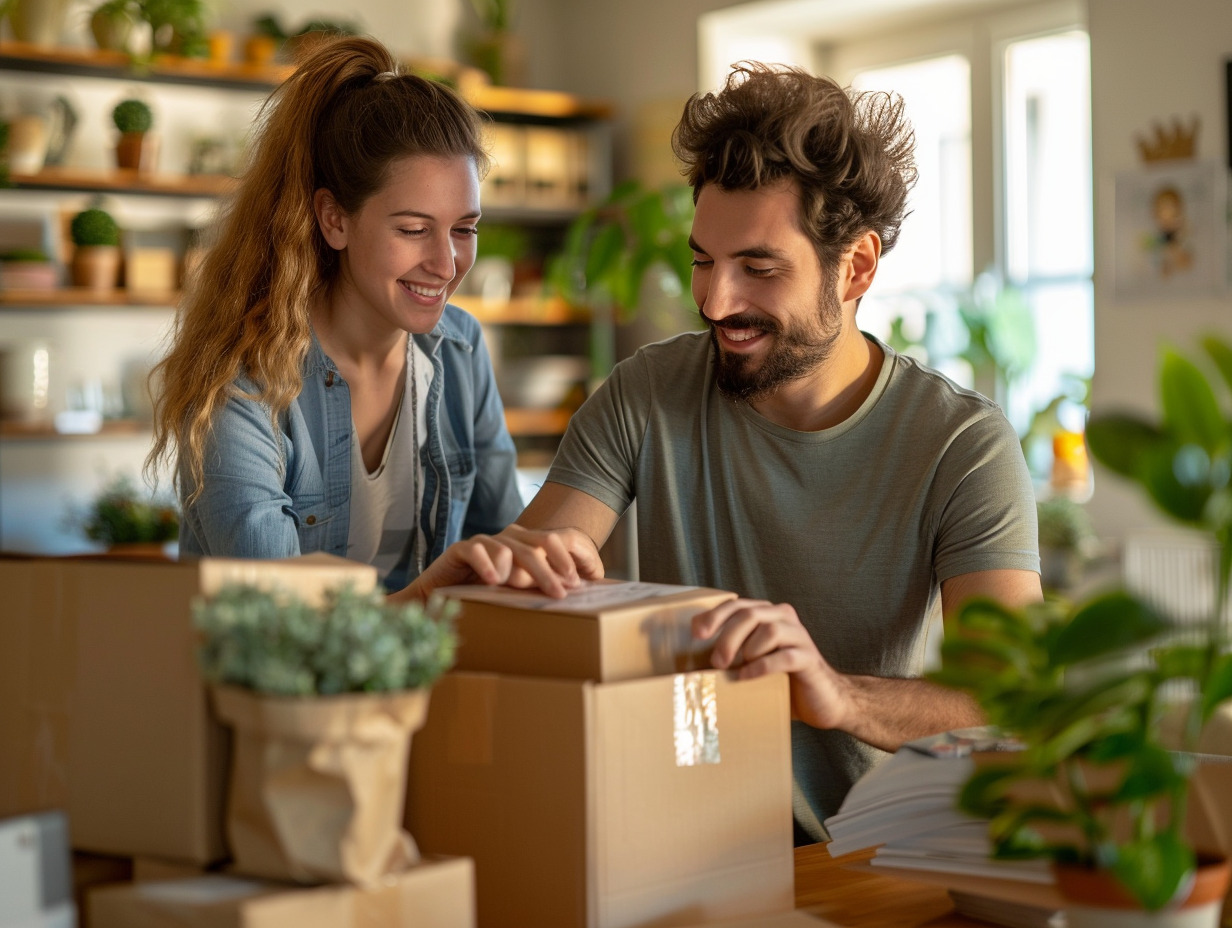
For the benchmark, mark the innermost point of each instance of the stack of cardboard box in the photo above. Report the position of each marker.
(597, 780)
(103, 714)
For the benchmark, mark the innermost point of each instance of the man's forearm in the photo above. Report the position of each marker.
(886, 712)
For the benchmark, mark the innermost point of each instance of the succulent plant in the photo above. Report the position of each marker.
(355, 642)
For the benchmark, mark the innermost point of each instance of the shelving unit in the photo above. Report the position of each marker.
(42, 467)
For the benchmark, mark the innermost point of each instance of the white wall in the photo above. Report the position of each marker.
(1150, 61)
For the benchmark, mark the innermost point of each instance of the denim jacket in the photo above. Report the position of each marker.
(279, 492)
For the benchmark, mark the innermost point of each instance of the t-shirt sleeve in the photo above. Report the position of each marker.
(598, 454)
(988, 518)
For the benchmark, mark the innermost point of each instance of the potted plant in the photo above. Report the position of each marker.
(1067, 541)
(121, 518)
(1090, 690)
(96, 257)
(136, 148)
(612, 247)
(177, 26)
(27, 269)
(112, 22)
(323, 701)
(497, 50)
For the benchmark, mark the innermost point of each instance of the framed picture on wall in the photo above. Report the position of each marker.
(1171, 230)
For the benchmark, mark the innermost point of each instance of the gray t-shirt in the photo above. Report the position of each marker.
(855, 526)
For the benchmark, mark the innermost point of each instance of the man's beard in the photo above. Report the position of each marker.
(797, 350)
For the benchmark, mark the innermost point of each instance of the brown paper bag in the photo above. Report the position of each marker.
(318, 784)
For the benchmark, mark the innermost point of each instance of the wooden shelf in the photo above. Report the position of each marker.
(166, 69)
(514, 102)
(125, 181)
(537, 421)
(523, 311)
(112, 428)
(544, 104)
(82, 296)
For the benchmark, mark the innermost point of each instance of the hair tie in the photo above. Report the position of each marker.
(384, 76)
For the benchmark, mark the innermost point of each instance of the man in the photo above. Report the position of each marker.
(850, 492)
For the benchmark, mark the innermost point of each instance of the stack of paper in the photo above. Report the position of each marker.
(906, 808)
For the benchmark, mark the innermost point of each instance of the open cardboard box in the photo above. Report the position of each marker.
(660, 801)
(103, 712)
(436, 893)
(605, 631)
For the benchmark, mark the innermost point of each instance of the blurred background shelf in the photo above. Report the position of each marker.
(72, 297)
(11, 429)
(124, 181)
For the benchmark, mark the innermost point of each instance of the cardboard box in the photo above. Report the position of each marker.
(663, 801)
(434, 894)
(103, 712)
(606, 631)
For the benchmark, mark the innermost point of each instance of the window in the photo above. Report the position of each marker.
(1001, 215)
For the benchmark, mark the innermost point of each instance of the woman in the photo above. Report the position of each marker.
(319, 393)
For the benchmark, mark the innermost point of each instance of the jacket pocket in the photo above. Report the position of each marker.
(461, 466)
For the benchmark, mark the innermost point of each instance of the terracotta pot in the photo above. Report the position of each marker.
(137, 151)
(1099, 901)
(96, 267)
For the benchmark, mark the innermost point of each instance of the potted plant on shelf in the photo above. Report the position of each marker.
(1091, 691)
(128, 522)
(177, 27)
(323, 701)
(112, 22)
(96, 257)
(1067, 541)
(136, 149)
(27, 269)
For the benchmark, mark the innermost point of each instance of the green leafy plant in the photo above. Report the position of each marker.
(495, 15)
(94, 226)
(176, 24)
(275, 643)
(1064, 525)
(132, 116)
(119, 515)
(24, 254)
(1090, 689)
(610, 247)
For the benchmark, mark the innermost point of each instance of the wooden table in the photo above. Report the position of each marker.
(856, 897)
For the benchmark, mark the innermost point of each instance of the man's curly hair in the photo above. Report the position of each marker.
(850, 153)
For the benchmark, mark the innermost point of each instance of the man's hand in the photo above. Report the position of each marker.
(754, 637)
(551, 561)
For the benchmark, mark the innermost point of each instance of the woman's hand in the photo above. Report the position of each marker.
(553, 562)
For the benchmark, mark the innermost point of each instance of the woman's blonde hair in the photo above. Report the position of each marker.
(337, 123)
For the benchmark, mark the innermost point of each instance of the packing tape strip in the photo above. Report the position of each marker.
(695, 705)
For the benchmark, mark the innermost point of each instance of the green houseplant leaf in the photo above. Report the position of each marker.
(1091, 711)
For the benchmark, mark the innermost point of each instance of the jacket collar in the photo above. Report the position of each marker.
(446, 329)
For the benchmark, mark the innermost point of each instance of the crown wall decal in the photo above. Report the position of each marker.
(1169, 143)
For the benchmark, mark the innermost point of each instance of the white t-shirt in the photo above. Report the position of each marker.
(384, 501)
